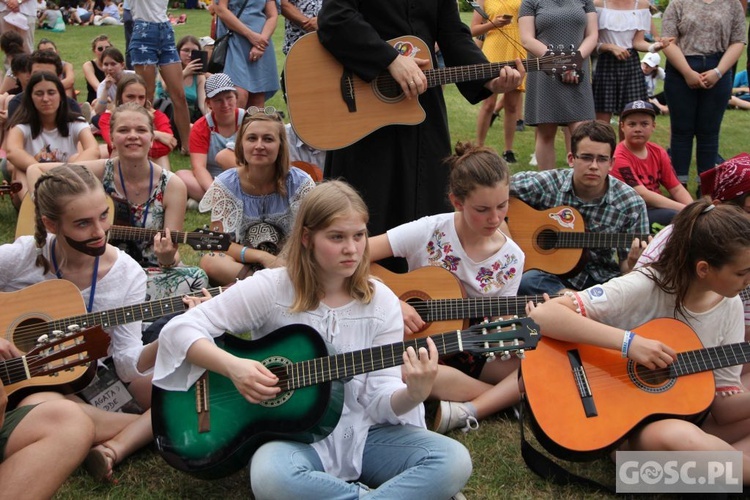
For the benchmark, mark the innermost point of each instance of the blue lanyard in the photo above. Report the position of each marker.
(148, 203)
(93, 276)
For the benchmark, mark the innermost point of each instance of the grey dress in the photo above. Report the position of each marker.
(548, 100)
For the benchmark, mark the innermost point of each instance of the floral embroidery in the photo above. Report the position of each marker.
(440, 253)
(498, 274)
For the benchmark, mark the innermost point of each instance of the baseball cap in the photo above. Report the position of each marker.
(206, 41)
(652, 59)
(728, 180)
(638, 107)
(18, 20)
(218, 83)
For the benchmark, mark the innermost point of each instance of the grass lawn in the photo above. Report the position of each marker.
(499, 471)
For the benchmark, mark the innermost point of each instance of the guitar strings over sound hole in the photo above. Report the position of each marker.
(546, 239)
(654, 381)
(276, 364)
(387, 89)
(26, 333)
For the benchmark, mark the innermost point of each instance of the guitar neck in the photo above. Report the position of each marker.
(458, 74)
(14, 370)
(339, 366)
(710, 358)
(144, 311)
(474, 307)
(593, 240)
(143, 234)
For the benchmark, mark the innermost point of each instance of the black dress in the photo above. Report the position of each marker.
(398, 169)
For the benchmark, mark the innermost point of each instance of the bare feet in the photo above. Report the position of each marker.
(100, 461)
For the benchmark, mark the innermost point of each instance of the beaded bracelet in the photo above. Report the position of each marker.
(574, 297)
(627, 338)
(242, 255)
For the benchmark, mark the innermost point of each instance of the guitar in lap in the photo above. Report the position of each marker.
(317, 85)
(211, 431)
(554, 240)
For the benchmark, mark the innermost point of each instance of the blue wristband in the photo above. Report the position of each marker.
(626, 340)
(242, 255)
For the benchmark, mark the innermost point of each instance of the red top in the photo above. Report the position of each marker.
(161, 123)
(652, 172)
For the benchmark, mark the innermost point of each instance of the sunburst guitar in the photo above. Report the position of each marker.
(330, 108)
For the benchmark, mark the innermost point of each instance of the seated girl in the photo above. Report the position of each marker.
(470, 244)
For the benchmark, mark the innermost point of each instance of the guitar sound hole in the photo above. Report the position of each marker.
(659, 380)
(27, 332)
(547, 239)
(386, 88)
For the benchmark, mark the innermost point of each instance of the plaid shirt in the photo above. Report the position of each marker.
(620, 210)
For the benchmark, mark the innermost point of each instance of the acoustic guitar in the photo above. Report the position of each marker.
(202, 239)
(331, 108)
(440, 299)
(11, 188)
(57, 305)
(554, 239)
(57, 352)
(211, 431)
(584, 400)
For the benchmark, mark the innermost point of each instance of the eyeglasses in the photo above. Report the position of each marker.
(101, 48)
(269, 111)
(589, 159)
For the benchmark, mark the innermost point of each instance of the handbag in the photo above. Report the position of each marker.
(221, 46)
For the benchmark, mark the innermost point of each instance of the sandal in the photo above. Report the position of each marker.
(100, 461)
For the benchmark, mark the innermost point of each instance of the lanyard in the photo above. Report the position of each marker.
(93, 276)
(150, 190)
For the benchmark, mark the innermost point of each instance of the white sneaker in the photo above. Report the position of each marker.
(192, 204)
(86, 111)
(452, 415)
(532, 161)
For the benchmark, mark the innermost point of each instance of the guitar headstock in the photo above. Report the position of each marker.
(208, 240)
(512, 336)
(11, 188)
(63, 350)
(556, 62)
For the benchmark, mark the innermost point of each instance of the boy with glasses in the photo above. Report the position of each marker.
(606, 204)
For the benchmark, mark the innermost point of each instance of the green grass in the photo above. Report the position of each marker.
(499, 471)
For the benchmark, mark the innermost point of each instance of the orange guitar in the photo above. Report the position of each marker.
(554, 239)
(330, 108)
(440, 299)
(584, 400)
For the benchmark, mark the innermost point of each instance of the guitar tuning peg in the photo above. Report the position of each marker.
(505, 356)
(521, 354)
(57, 334)
(571, 47)
(74, 328)
(561, 47)
(491, 357)
(551, 47)
(43, 339)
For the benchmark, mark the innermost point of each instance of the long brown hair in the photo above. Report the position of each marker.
(326, 202)
(474, 166)
(701, 232)
(51, 192)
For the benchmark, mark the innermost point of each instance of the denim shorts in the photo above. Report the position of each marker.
(153, 44)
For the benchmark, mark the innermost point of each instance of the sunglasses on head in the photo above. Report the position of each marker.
(102, 49)
(268, 111)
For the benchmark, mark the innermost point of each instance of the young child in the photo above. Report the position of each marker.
(470, 244)
(702, 268)
(380, 441)
(652, 72)
(646, 167)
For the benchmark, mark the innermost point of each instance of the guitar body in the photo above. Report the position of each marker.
(623, 400)
(238, 427)
(319, 114)
(530, 228)
(36, 304)
(425, 283)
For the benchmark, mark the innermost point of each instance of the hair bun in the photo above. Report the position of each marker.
(464, 147)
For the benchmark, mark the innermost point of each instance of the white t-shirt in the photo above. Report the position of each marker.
(123, 285)
(109, 96)
(152, 11)
(261, 304)
(629, 301)
(50, 145)
(433, 241)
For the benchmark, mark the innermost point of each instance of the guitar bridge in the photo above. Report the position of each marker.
(582, 383)
(201, 404)
(347, 91)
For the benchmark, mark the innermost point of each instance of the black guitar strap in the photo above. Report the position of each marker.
(547, 469)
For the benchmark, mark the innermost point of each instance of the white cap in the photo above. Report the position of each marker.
(206, 41)
(652, 59)
(18, 20)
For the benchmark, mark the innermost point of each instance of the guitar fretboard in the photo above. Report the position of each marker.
(475, 307)
(458, 74)
(710, 358)
(550, 239)
(12, 371)
(143, 234)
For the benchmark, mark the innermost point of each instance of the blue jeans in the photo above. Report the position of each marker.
(696, 113)
(153, 44)
(127, 22)
(399, 462)
(536, 282)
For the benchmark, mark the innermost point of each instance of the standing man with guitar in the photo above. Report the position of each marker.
(398, 169)
(606, 204)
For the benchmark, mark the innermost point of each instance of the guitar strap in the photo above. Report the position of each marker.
(546, 468)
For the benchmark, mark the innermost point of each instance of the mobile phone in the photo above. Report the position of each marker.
(507, 17)
(480, 10)
(201, 55)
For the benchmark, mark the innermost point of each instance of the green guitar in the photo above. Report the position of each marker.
(211, 431)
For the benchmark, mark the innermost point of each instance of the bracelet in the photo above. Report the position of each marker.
(168, 266)
(242, 255)
(626, 341)
(652, 47)
(718, 72)
(574, 297)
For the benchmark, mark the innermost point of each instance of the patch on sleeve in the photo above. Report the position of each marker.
(597, 294)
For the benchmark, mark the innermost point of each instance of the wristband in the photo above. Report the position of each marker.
(652, 47)
(627, 338)
(167, 266)
(242, 255)
(718, 72)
